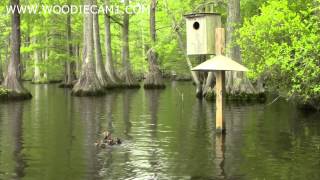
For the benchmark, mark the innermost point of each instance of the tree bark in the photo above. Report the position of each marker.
(37, 71)
(46, 58)
(88, 83)
(1, 72)
(236, 82)
(100, 69)
(69, 66)
(109, 59)
(128, 78)
(13, 77)
(154, 77)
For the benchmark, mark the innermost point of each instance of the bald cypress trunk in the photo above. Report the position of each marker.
(69, 65)
(13, 78)
(109, 59)
(37, 73)
(237, 82)
(1, 72)
(128, 78)
(88, 83)
(100, 70)
(154, 77)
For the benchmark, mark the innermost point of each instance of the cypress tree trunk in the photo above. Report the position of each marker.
(13, 77)
(237, 82)
(154, 77)
(100, 69)
(88, 83)
(69, 66)
(6, 60)
(109, 61)
(37, 73)
(128, 78)
(46, 58)
(1, 72)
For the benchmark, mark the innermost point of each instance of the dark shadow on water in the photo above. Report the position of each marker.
(127, 103)
(15, 113)
(153, 97)
(87, 107)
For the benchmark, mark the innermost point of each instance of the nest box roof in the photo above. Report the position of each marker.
(220, 63)
(193, 15)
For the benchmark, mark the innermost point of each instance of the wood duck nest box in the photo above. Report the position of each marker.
(201, 33)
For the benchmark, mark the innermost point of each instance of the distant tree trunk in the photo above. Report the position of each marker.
(69, 65)
(100, 69)
(236, 82)
(6, 60)
(13, 77)
(154, 77)
(109, 61)
(78, 61)
(37, 72)
(1, 72)
(128, 78)
(88, 83)
(46, 59)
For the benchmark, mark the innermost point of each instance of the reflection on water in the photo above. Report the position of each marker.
(167, 134)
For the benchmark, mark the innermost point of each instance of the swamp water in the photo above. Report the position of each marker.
(167, 134)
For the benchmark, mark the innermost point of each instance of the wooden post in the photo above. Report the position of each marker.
(220, 83)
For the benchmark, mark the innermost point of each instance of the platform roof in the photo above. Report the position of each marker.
(220, 63)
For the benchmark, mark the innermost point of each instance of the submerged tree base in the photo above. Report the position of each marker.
(311, 105)
(88, 83)
(7, 94)
(239, 97)
(41, 82)
(88, 86)
(129, 86)
(154, 86)
(154, 81)
(83, 93)
(66, 86)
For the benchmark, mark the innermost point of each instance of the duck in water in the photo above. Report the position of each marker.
(108, 140)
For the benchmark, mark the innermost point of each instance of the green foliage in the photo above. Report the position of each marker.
(3, 92)
(283, 45)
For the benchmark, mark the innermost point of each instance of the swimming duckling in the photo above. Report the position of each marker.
(110, 142)
(107, 140)
(100, 144)
(118, 141)
(106, 135)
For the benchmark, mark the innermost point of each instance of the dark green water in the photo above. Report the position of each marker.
(167, 134)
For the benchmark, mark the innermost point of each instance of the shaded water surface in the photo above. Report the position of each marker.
(168, 134)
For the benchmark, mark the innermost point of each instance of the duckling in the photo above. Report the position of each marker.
(118, 141)
(106, 135)
(103, 146)
(110, 142)
(96, 144)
